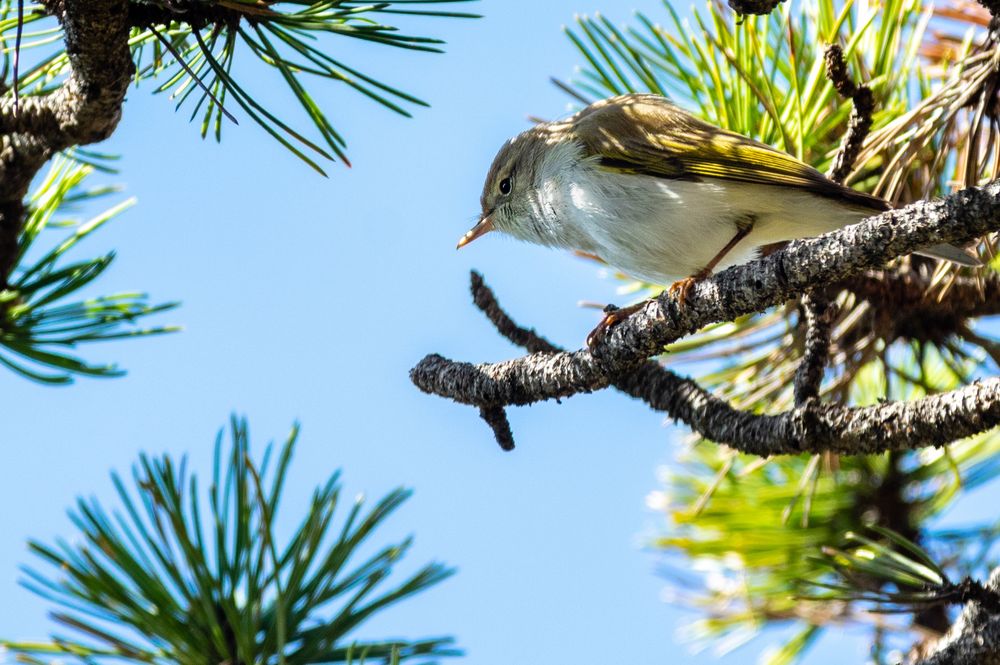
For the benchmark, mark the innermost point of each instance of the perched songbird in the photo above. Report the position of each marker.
(661, 195)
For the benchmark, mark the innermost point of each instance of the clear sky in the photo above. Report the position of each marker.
(309, 299)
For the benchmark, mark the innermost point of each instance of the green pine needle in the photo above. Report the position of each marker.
(43, 314)
(191, 49)
(182, 575)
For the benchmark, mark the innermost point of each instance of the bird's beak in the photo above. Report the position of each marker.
(484, 226)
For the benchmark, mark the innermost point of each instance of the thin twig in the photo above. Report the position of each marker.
(818, 315)
(860, 122)
(818, 312)
(496, 418)
(526, 338)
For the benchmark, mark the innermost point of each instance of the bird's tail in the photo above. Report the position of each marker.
(962, 257)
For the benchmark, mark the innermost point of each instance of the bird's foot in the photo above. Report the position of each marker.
(612, 317)
(682, 287)
(615, 315)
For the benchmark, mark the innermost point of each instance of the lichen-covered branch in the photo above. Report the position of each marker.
(621, 359)
(974, 638)
(932, 421)
(812, 427)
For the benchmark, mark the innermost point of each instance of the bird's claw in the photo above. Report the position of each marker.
(615, 315)
(601, 331)
(682, 288)
(612, 316)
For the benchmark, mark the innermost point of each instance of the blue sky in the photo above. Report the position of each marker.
(309, 299)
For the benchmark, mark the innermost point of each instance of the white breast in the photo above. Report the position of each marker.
(661, 230)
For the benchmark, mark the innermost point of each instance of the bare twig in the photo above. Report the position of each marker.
(860, 122)
(496, 418)
(526, 338)
(818, 314)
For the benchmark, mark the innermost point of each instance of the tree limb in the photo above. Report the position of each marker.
(621, 358)
(932, 421)
(85, 109)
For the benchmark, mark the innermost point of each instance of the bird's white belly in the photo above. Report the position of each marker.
(661, 230)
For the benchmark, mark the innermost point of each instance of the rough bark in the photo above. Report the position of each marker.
(85, 109)
(974, 638)
(811, 427)
(860, 122)
(621, 357)
(818, 315)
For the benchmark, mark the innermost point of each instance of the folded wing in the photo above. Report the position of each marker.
(647, 134)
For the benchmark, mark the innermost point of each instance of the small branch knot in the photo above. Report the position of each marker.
(496, 418)
(756, 7)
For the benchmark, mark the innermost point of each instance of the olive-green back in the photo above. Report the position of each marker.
(647, 134)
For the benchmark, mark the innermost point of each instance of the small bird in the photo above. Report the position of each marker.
(661, 195)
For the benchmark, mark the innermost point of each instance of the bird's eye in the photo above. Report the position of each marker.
(505, 186)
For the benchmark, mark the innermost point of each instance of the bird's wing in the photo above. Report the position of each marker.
(647, 134)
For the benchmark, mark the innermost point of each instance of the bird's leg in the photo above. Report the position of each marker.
(681, 287)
